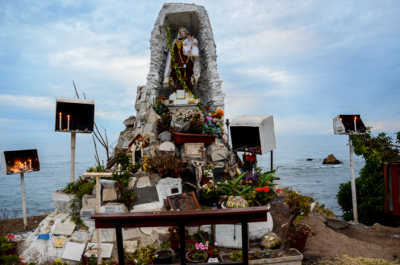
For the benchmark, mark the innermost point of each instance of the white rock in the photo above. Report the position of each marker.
(73, 251)
(108, 183)
(62, 201)
(148, 207)
(143, 182)
(106, 235)
(65, 228)
(130, 246)
(131, 233)
(80, 236)
(89, 202)
(109, 194)
(165, 136)
(113, 208)
(132, 182)
(106, 250)
(167, 147)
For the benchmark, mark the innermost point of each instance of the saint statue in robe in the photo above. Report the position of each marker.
(186, 53)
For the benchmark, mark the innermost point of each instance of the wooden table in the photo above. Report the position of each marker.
(182, 219)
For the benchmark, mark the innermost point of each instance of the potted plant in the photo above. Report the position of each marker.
(163, 256)
(234, 256)
(295, 234)
(198, 254)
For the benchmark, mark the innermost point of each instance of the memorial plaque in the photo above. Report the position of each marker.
(106, 250)
(168, 187)
(194, 150)
(73, 251)
(65, 228)
(145, 195)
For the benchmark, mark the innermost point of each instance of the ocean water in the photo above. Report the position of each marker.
(309, 177)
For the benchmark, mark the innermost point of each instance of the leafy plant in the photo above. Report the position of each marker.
(142, 256)
(164, 123)
(167, 165)
(234, 187)
(370, 185)
(8, 254)
(79, 188)
(159, 106)
(299, 207)
(236, 255)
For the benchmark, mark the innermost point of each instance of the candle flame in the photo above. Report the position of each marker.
(355, 117)
(68, 116)
(20, 166)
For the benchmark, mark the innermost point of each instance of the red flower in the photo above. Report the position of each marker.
(10, 236)
(259, 189)
(207, 108)
(278, 191)
(250, 158)
(263, 189)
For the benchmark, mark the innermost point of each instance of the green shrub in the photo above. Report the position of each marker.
(370, 185)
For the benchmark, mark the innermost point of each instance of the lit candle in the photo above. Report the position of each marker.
(60, 121)
(68, 118)
(355, 123)
(30, 163)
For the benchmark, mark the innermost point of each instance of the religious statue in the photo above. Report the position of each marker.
(186, 53)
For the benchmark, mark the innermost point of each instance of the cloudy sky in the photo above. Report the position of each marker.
(302, 61)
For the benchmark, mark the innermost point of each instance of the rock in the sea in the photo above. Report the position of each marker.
(331, 160)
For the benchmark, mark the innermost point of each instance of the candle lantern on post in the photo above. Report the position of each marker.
(350, 124)
(20, 162)
(74, 116)
(253, 133)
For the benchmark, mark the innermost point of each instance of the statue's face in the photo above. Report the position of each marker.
(182, 33)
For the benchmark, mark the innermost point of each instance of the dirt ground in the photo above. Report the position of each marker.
(12, 226)
(326, 242)
(329, 241)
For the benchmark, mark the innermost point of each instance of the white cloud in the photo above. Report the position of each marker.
(127, 69)
(27, 102)
(258, 46)
(298, 124)
(384, 125)
(111, 115)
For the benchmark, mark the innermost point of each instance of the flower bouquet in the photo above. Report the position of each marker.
(199, 254)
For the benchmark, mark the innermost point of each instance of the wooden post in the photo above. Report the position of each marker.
(353, 182)
(98, 204)
(73, 140)
(23, 196)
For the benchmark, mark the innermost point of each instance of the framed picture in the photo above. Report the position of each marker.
(184, 201)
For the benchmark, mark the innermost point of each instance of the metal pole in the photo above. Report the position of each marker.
(73, 141)
(182, 243)
(245, 242)
(23, 196)
(353, 182)
(120, 245)
(272, 160)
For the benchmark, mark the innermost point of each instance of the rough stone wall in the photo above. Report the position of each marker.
(209, 83)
